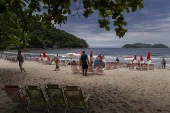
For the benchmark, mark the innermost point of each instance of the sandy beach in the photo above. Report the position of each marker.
(116, 91)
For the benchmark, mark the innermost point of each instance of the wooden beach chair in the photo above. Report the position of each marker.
(144, 67)
(151, 67)
(138, 67)
(75, 99)
(114, 65)
(55, 97)
(36, 98)
(131, 66)
(63, 63)
(90, 69)
(108, 66)
(16, 95)
(120, 64)
(158, 66)
(75, 69)
(99, 70)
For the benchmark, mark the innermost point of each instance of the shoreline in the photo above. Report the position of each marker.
(119, 90)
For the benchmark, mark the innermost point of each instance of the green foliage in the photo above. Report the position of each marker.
(20, 15)
(11, 32)
(53, 38)
(143, 45)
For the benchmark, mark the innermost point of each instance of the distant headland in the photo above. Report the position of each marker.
(143, 45)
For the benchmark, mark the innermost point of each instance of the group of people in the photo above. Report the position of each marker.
(84, 61)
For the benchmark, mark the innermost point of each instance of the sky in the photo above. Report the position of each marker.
(149, 25)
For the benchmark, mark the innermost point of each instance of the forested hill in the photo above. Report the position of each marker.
(53, 38)
(143, 45)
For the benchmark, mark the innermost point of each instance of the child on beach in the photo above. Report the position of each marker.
(30, 57)
(117, 60)
(20, 58)
(56, 59)
(163, 63)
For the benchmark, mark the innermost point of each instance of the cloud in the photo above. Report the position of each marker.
(149, 25)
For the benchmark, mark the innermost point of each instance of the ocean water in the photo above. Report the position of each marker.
(157, 54)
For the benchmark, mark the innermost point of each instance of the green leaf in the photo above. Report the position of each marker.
(141, 6)
(115, 15)
(124, 23)
(45, 7)
(107, 28)
(125, 30)
(121, 9)
(69, 12)
(134, 8)
(38, 8)
(99, 21)
(115, 23)
(101, 26)
(117, 33)
(127, 10)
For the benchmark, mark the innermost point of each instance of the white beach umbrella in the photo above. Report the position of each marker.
(129, 58)
(72, 55)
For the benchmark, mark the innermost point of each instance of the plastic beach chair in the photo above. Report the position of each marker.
(15, 94)
(144, 67)
(151, 67)
(114, 65)
(55, 96)
(131, 66)
(96, 63)
(99, 70)
(37, 100)
(75, 99)
(90, 69)
(108, 66)
(75, 69)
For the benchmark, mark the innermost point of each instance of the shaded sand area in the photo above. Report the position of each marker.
(116, 91)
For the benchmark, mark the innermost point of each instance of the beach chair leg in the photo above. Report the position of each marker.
(28, 109)
(47, 110)
(86, 111)
(66, 110)
(10, 106)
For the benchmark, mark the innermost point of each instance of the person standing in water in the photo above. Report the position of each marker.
(20, 58)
